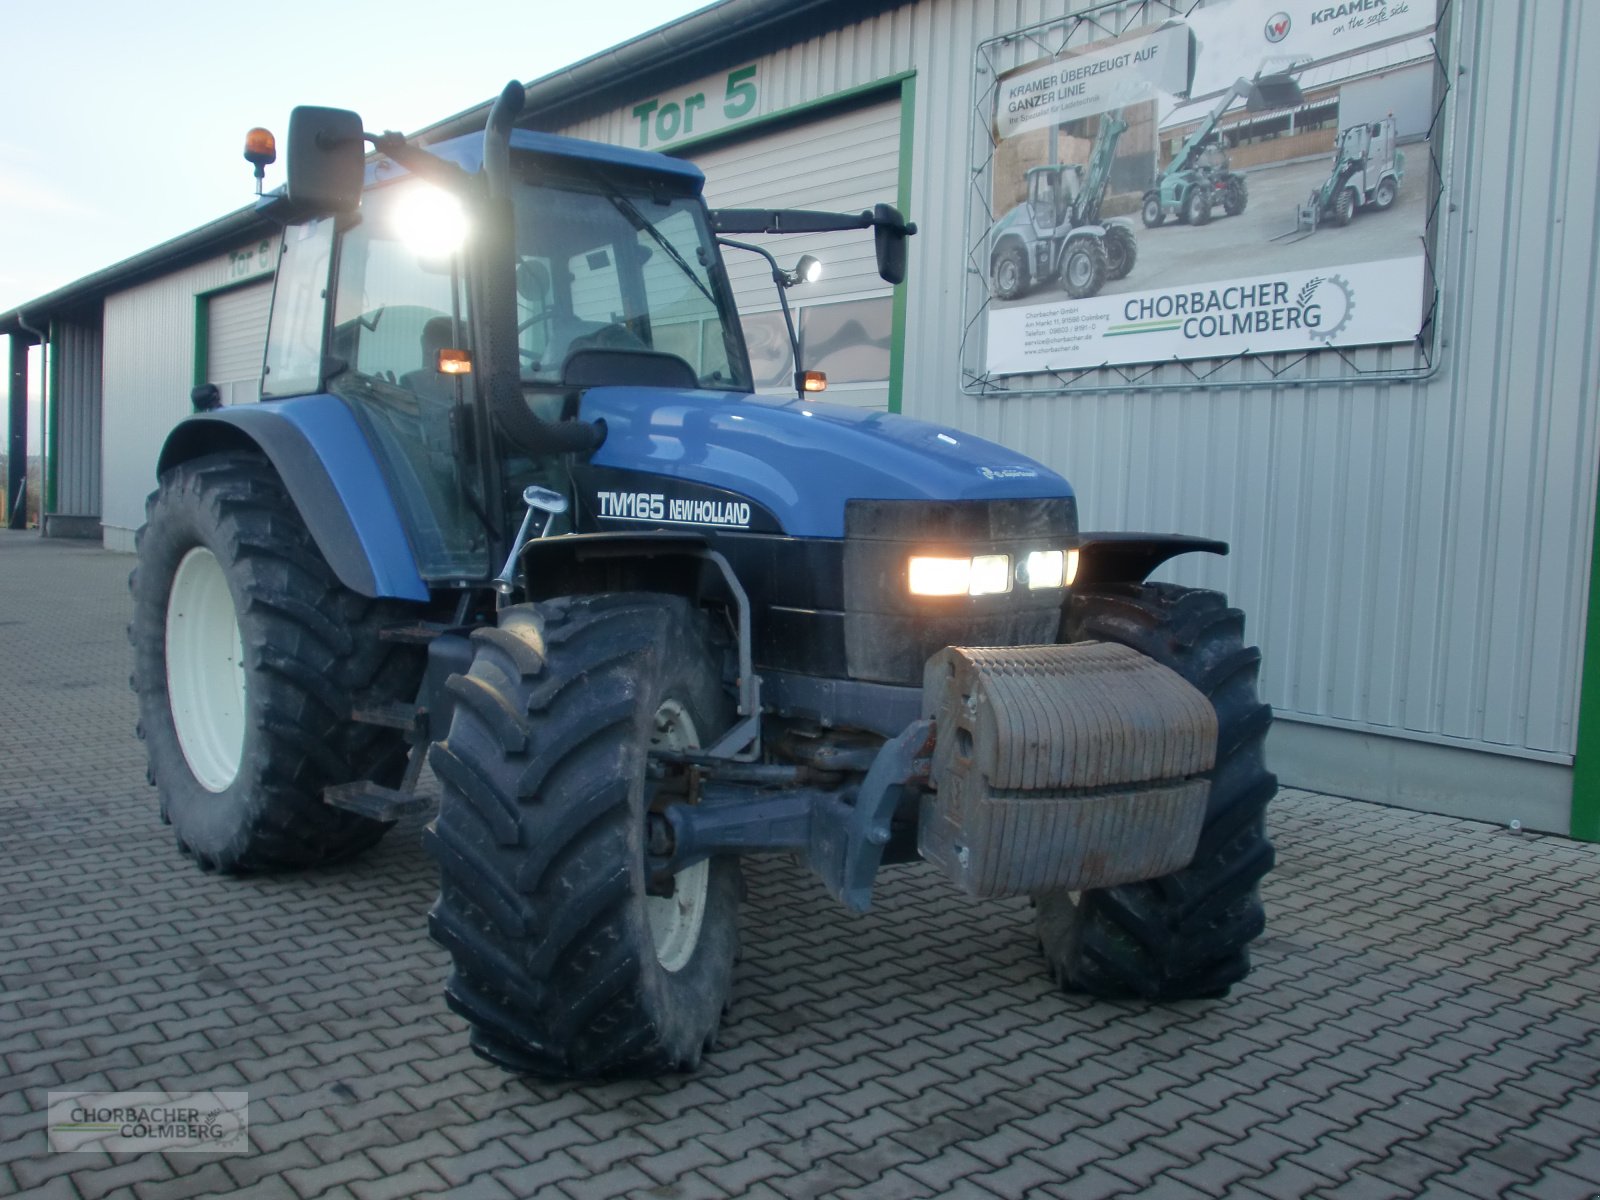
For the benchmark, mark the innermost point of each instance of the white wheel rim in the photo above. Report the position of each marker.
(675, 920)
(205, 670)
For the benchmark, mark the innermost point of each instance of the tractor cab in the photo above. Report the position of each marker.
(1053, 197)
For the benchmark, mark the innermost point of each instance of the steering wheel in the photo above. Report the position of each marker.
(608, 337)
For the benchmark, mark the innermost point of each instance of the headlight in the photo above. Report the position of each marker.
(984, 575)
(990, 574)
(1048, 569)
(940, 576)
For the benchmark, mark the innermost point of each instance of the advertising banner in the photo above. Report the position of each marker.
(1251, 179)
(1129, 70)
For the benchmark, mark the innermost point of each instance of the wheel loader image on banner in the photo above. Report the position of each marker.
(1367, 172)
(508, 507)
(1198, 178)
(1056, 233)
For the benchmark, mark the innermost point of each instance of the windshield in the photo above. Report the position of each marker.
(602, 269)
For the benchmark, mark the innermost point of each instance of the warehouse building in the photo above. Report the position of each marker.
(1409, 492)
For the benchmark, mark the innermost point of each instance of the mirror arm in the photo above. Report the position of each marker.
(781, 279)
(420, 162)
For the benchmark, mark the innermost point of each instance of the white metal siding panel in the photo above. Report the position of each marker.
(77, 370)
(236, 341)
(1414, 557)
(843, 162)
(148, 362)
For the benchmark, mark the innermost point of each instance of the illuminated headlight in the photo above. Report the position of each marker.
(1048, 569)
(991, 574)
(985, 575)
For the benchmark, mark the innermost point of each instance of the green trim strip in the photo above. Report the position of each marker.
(202, 337)
(1586, 763)
(897, 335)
(743, 128)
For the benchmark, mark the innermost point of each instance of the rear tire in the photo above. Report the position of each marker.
(1122, 251)
(564, 965)
(1185, 935)
(1386, 191)
(249, 656)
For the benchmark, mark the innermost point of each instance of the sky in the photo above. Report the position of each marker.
(123, 124)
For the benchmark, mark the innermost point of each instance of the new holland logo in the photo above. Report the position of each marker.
(1277, 27)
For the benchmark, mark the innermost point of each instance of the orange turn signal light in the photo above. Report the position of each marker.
(814, 381)
(260, 147)
(455, 362)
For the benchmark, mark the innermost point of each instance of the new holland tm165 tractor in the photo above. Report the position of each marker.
(509, 506)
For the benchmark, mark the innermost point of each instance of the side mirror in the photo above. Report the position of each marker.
(325, 160)
(889, 233)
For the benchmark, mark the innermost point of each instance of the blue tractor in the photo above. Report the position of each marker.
(509, 507)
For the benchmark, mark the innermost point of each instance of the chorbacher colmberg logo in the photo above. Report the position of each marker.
(1265, 307)
(168, 1122)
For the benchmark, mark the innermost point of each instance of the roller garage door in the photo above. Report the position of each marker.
(846, 162)
(236, 341)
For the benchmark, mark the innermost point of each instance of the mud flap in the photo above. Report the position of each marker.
(1062, 767)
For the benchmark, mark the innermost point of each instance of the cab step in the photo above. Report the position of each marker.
(375, 801)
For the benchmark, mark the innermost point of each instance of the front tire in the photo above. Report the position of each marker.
(1197, 204)
(1010, 273)
(1235, 196)
(1152, 214)
(249, 657)
(1184, 935)
(565, 965)
(1344, 205)
(1083, 267)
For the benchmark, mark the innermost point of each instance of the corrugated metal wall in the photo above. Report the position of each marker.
(149, 368)
(77, 378)
(1413, 557)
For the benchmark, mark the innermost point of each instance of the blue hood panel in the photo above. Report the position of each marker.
(802, 459)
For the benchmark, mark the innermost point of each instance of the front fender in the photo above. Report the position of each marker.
(320, 453)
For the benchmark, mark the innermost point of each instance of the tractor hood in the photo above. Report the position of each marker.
(801, 459)
(1015, 217)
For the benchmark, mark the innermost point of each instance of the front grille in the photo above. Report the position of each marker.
(889, 633)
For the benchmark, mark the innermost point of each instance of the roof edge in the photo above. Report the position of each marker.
(172, 254)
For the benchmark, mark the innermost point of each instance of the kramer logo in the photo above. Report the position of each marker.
(1350, 8)
(1277, 27)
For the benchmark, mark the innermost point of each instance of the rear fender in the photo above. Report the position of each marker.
(323, 458)
(1131, 557)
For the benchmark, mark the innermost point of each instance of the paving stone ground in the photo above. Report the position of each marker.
(1421, 1020)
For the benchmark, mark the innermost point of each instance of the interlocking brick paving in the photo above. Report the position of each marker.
(1421, 1020)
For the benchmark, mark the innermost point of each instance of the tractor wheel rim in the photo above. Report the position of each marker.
(675, 920)
(1008, 275)
(205, 670)
(1078, 271)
